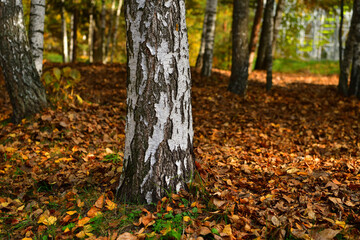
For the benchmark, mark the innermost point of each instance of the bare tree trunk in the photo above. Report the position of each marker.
(347, 59)
(74, 35)
(211, 6)
(91, 32)
(110, 31)
(27, 94)
(65, 52)
(277, 21)
(269, 58)
(255, 32)
(240, 57)
(200, 57)
(71, 48)
(265, 35)
(102, 30)
(354, 87)
(117, 21)
(158, 155)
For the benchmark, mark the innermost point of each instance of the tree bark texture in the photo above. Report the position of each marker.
(102, 30)
(354, 87)
(277, 21)
(71, 45)
(27, 94)
(210, 12)
(200, 57)
(74, 35)
(269, 58)
(240, 57)
(65, 53)
(91, 32)
(36, 32)
(255, 32)
(266, 33)
(158, 156)
(117, 21)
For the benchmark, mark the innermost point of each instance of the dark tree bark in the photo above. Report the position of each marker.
(347, 59)
(266, 33)
(269, 58)
(211, 6)
(277, 21)
(200, 57)
(255, 32)
(27, 94)
(158, 155)
(354, 87)
(240, 58)
(340, 31)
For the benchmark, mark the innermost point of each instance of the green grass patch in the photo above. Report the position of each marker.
(53, 57)
(323, 67)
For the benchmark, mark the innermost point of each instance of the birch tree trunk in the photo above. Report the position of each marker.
(102, 30)
(27, 94)
(158, 155)
(200, 57)
(211, 6)
(354, 87)
(36, 32)
(65, 53)
(277, 21)
(71, 47)
(240, 57)
(265, 35)
(110, 31)
(255, 32)
(91, 32)
(117, 21)
(74, 35)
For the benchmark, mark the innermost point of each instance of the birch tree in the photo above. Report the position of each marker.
(117, 21)
(102, 30)
(36, 32)
(158, 156)
(277, 21)
(240, 57)
(255, 32)
(65, 52)
(91, 32)
(210, 12)
(27, 94)
(200, 57)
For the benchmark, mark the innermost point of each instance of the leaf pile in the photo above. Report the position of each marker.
(283, 164)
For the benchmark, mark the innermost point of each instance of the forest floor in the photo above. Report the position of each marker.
(283, 164)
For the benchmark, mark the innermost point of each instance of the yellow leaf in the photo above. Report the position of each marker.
(83, 221)
(340, 223)
(226, 231)
(81, 234)
(71, 212)
(186, 218)
(26, 239)
(87, 230)
(193, 204)
(66, 230)
(110, 205)
(47, 220)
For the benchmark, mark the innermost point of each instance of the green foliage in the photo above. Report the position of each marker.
(323, 67)
(60, 83)
(113, 157)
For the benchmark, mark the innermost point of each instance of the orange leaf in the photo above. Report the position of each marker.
(100, 202)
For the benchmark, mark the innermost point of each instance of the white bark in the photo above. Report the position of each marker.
(91, 32)
(159, 133)
(211, 6)
(117, 21)
(103, 25)
(64, 34)
(36, 32)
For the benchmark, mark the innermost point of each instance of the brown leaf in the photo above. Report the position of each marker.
(126, 236)
(204, 231)
(100, 202)
(327, 234)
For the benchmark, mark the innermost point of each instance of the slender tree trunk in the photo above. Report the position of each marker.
(117, 21)
(91, 32)
(347, 58)
(211, 6)
(277, 21)
(74, 35)
(341, 30)
(265, 35)
(158, 155)
(354, 87)
(102, 30)
(65, 52)
(200, 57)
(110, 31)
(27, 94)
(71, 48)
(269, 58)
(240, 57)
(36, 32)
(255, 32)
